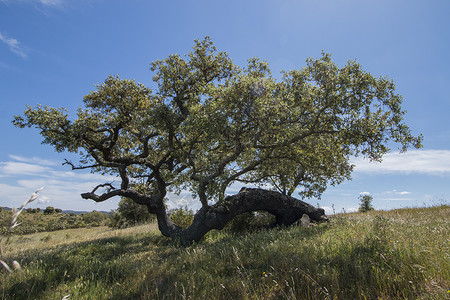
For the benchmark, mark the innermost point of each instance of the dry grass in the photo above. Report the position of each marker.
(401, 254)
(14, 223)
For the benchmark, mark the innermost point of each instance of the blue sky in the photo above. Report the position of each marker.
(54, 51)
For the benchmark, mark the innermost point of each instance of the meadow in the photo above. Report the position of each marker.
(398, 254)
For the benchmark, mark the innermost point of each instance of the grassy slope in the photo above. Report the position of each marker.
(402, 254)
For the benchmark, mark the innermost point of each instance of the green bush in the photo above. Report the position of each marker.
(182, 217)
(129, 213)
(49, 210)
(95, 218)
(71, 220)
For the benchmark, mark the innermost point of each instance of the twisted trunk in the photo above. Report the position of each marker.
(287, 210)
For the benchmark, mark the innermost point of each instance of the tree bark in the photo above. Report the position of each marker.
(287, 211)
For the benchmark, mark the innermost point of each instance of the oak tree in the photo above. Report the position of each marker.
(210, 124)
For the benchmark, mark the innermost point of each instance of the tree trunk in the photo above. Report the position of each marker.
(287, 210)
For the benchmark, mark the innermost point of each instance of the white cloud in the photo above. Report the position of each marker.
(328, 210)
(43, 200)
(395, 199)
(14, 45)
(74, 175)
(62, 188)
(13, 195)
(51, 2)
(42, 2)
(180, 202)
(431, 162)
(18, 168)
(395, 192)
(403, 193)
(34, 160)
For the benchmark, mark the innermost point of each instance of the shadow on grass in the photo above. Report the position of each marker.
(270, 264)
(220, 269)
(104, 262)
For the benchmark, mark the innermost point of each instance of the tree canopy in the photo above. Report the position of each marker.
(211, 123)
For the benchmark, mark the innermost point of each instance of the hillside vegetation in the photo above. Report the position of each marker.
(399, 254)
(32, 221)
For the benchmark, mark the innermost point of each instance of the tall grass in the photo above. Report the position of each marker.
(14, 224)
(401, 254)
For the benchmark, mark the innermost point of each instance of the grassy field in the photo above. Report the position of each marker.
(400, 254)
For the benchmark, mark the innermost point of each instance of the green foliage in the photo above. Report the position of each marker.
(95, 218)
(71, 220)
(49, 210)
(182, 217)
(210, 123)
(365, 203)
(129, 213)
(34, 221)
(401, 254)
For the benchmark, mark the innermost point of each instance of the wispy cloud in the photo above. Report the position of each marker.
(395, 199)
(14, 45)
(45, 168)
(41, 2)
(431, 162)
(34, 160)
(12, 168)
(51, 2)
(402, 193)
(62, 187)
(395, 195)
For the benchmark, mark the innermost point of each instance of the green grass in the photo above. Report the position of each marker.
(401, 254)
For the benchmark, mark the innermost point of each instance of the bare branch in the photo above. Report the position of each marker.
(102, 197)
(111, 187)
(67, 162)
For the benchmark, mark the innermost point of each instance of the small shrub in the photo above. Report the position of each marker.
(183, 217)
(49, 210)
(129, 213)
(95, 218)
(116, 220)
